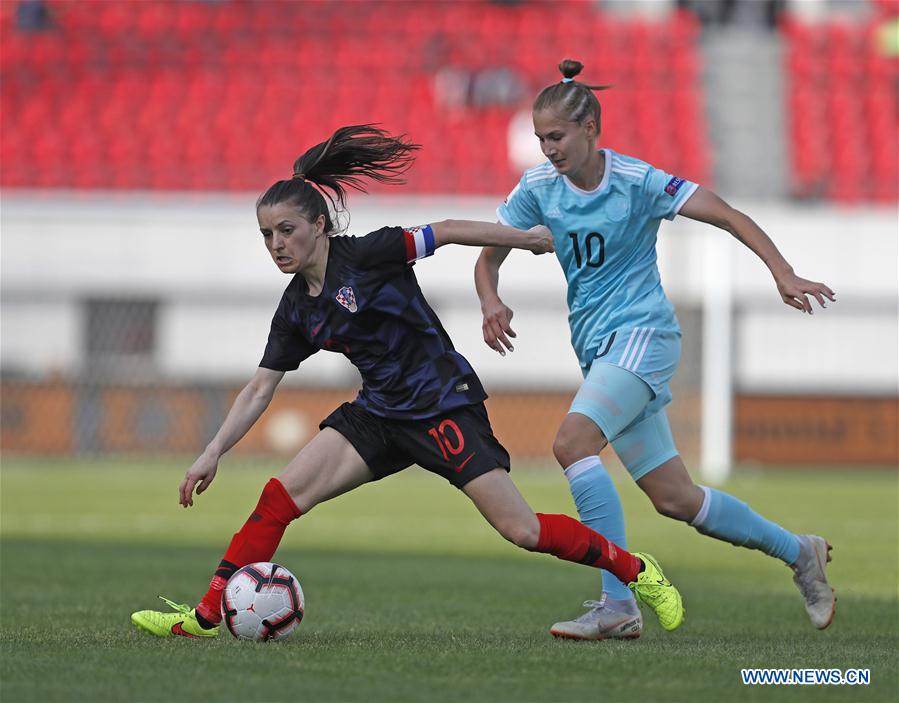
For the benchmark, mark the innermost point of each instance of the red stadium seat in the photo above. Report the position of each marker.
(841, 110)
(223, 95)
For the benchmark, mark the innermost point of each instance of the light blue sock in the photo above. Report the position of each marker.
(724, 517)
(599, 507)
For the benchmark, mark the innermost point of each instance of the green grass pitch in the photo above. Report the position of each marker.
(411, 596)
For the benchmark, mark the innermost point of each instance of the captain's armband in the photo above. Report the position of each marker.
(419, 242)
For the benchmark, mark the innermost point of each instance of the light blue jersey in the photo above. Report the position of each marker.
(605, 240)
(627, 339)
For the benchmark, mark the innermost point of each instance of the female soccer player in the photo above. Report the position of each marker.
(421, 402)
(604, 210)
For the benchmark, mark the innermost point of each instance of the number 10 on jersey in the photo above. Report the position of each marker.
(594, 249)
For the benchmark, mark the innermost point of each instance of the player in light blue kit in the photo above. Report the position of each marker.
(604, 210)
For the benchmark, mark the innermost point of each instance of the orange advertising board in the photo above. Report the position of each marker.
(65, 419)
(820, 431)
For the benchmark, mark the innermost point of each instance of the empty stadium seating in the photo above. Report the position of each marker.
(841, 109)
(224, 95)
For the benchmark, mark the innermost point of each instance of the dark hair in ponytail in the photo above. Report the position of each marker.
(351, 155)
(571, 99)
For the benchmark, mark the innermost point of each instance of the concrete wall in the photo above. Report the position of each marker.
(202, 257)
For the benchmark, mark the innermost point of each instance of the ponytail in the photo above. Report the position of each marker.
(350, 156)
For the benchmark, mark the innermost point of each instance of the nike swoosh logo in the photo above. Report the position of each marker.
(662, 582)
(178, 630)
(462, 465)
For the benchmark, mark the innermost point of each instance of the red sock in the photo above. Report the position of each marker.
(568, 539)
(257, 541)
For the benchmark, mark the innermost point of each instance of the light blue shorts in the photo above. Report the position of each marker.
(627, 401)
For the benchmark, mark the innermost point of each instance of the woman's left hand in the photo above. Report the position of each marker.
(793, 291)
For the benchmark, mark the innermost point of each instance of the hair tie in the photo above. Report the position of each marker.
(300, 176)
(567, 80)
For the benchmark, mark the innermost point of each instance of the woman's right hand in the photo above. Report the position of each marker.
(497, 326)
(540, 241)
(199, 475)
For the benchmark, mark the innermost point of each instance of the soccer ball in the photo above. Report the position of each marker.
(262, 601)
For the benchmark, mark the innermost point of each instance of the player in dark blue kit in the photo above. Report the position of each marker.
(420, 402)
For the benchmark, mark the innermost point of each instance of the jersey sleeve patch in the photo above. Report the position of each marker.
(674, 185)
(419, 242)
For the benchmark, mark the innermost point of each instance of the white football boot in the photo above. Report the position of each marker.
(820, 600)
(605, 620)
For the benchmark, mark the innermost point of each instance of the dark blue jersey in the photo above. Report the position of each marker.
(372, 311)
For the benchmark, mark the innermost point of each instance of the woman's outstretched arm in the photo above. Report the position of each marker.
(249, 404)
(706, 206)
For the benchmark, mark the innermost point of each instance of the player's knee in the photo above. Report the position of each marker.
(522, 534)
(569, 448)
(674, 505)
(561, 451)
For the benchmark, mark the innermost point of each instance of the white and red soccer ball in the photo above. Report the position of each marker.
(262, 601)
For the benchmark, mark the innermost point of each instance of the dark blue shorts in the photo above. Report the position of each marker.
(458, 445)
